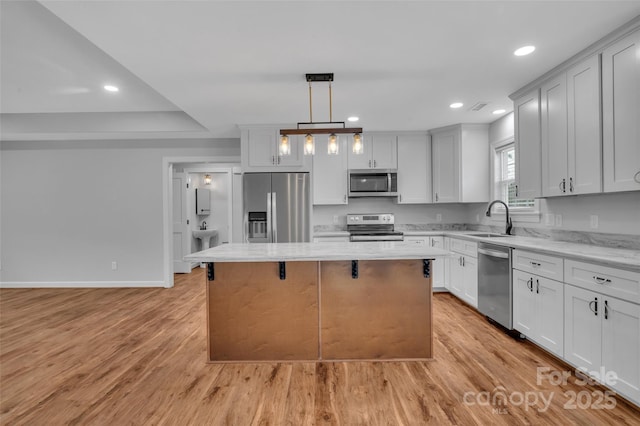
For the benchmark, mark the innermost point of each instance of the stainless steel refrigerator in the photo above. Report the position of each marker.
(276, 207)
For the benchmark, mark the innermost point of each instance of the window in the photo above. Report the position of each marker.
(505, 176)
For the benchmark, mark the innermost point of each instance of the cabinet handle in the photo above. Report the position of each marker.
(369, 163)
(273, 159)
(530, 284)
(436, 196)
(535, 264)
(600, 280)
(570, 184)
(636, 177)
(278, 159)
(563, 185)
(400, 197)
(606, 309)
(345, 198)
(433, 243)
(595, 303)
(516, 191)
(463, 261)
(537, 286)
(374, 163)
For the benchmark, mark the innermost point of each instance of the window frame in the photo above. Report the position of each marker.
(517, 214)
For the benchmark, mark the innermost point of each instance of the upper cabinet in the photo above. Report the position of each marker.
(577, 128)
(460, 163)
(330, 175)
(260, 150)
(571, 144)
(379, 152)
(527, 140)
(621, 114)
(414, 169)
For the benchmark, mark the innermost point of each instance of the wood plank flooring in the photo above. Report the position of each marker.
(138, 356)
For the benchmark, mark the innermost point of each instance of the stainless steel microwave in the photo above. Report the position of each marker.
(373, 183)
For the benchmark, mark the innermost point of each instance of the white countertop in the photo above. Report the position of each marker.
(379, 250)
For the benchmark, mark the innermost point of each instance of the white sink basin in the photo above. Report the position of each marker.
(205, 236)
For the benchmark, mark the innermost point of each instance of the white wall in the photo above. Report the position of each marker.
(70, 208)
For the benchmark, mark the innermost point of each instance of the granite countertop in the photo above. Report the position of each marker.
(383, 250)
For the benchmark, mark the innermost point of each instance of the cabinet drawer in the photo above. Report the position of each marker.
(539, 264)
(422, 241)
(469, 248)
(603, 279)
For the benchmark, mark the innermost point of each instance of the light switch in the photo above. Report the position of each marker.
(594, 221)
(438, 217)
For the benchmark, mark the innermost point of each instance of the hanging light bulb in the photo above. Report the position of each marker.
(309, 145)
(332, 146)
(285, 147)
(207, 179)
(358, 148)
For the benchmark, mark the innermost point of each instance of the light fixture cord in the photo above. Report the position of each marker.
(310, 107)
(330, 105)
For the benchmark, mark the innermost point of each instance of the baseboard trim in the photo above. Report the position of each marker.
(81, 284)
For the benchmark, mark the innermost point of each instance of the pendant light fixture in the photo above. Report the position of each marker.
(310, 128)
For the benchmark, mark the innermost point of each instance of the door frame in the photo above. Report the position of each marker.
(167, 202)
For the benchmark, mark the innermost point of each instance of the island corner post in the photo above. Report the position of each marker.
(316, 310)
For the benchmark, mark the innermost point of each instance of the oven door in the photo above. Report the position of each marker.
(366, 183)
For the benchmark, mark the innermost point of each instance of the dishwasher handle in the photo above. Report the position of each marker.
(494, 253)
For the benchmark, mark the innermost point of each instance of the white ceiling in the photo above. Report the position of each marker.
(397, 65)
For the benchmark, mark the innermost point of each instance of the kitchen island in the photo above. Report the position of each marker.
(318, 301)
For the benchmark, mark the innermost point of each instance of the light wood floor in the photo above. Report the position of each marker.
(137, 356)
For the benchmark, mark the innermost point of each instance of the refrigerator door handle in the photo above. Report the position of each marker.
(269, 218)
(274, 217)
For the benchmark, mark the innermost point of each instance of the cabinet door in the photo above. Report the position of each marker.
(549, 314)
(330, 176)
(384, 152)
(438, 270)
(364, 160)
(456, 281)
(414, 169)
(554, 137)
(583, 107)
(262, 147)
(523, 303)
(621, 345)
(470, 274)
(446, 173)
(582, 327)
(621, 109)
(527, 139)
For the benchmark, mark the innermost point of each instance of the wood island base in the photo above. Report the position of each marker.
(319, 310)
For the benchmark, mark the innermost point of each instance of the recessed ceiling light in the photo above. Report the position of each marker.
(354, 118)
(110, 88)
(525, 50)
(499, 111)
(456, 105)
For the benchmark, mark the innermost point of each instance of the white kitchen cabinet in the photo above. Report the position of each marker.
(417, 239)
(379, 152)
(329, 175)
(260, 150)
(460, 163)
(414, 169)
(570, 122)
(620, 112)
(439, 269)
(528, 145)
(603, 333)
(464, 274)
(538, 304)
(446, 244)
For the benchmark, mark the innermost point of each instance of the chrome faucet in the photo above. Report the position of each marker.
(508, 225)
(203, 226)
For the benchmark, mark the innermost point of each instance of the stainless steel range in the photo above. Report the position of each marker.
(372, 227)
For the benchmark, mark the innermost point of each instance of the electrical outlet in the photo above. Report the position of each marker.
(594, 221)
(336, 219)
(114, 265)
(549, 219)
(438, 217)
(558, 220)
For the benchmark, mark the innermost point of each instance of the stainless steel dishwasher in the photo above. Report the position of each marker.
(494, 283)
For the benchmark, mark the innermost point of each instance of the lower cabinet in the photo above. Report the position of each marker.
(602, 337)
(439, 267)
(538, 310)
(463, 280)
